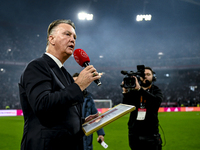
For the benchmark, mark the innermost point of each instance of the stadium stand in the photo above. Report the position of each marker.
(180, 88)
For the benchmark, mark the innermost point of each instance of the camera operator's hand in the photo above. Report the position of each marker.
(124, 90)
(137, 85)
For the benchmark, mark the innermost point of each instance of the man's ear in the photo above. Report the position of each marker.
(51, 40)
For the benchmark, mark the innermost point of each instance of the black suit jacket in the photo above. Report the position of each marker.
(51, 104)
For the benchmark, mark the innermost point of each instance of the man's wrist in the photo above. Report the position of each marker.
(139, 88)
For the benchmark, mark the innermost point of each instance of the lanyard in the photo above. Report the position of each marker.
(142, 110)
(142, 102)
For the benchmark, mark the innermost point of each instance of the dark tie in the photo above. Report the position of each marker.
(66, 74)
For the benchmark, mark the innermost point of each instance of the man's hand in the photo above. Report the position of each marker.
(90, 117)
(124, 90)
(101, 137)
(137, 85)
(87, 76)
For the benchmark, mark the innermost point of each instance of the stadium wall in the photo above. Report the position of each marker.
(164, 109)
(18, 112)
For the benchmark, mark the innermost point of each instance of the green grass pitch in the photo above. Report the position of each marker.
(181, 131)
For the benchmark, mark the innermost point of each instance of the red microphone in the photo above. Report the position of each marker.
(83, 60)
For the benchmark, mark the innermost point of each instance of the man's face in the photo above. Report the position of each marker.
(64, 39)
(148, 76)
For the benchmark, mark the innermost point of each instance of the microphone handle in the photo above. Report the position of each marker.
(98, 82)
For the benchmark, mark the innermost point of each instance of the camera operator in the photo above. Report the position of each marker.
(143, 122)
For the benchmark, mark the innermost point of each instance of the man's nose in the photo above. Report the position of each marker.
(72, 39)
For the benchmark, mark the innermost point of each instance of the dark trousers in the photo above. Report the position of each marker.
(153, 142)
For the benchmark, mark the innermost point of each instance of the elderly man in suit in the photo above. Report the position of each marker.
(51, 101)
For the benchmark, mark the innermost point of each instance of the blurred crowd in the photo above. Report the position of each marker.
(182, 87)
(9, 88)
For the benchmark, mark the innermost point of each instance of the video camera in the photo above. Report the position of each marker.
(129, 81)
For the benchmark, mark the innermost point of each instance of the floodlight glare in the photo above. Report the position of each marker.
(89, 17)
(85, 16)
(81, 16)
(145, 17)
(139, 18)
(101, 56)
(160, 53)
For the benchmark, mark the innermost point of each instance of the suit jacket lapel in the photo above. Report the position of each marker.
(61, 75)
(56, 70)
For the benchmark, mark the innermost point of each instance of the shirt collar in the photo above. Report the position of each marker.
(55, 59)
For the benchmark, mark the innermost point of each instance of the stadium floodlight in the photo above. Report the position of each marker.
(139, 18)
(167, 75)
(101, 56)
(2, 70)
(160, 54)
(147, 17)
(89, 17)
(143, 17)
(85, 16)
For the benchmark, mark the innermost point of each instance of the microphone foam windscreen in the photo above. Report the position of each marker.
(81, 57)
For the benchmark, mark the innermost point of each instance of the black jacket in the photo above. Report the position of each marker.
(152, 99)
(51, 104)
